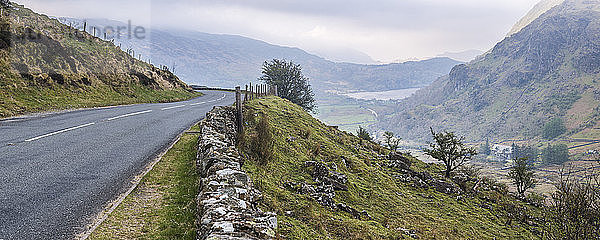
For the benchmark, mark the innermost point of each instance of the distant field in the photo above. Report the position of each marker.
(347, 117)
(385, 95)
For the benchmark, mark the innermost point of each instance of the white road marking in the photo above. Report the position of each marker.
(218, 99)
(59, 132)
(129, 115)
(197, 103)
(174, 107)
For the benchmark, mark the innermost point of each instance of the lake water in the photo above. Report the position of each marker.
(385, 95)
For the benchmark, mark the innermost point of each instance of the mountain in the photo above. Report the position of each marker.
(463, 56)
(229, 60)
(539, 9)
(45, 65)
(548, 69)
(348, 55)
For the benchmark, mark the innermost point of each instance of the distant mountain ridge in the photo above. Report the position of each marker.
(548, 69)
(229, 60)
(539, 9)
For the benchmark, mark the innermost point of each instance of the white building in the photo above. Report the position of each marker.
(502, 152)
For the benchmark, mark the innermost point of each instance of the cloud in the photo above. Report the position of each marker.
(384, 29)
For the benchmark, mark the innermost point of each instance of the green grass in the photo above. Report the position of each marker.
(393, 205)
(23, 100)
(163, 206)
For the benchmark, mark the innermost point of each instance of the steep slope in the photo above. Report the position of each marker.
(327, 184)
(45, 65)
(539, 9)
(549, 69)
(226, 60)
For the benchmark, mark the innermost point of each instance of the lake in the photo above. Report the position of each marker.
(385, 95)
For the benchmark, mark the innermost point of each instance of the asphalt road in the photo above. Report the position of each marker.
(59, 170)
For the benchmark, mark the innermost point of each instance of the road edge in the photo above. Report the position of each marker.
(114, 204)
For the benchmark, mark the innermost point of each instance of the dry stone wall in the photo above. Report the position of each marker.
(227, 201)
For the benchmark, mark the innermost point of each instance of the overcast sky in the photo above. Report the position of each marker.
(386, 30)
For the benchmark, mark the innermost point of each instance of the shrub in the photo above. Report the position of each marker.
(392, 141)
(262, 144)
(363, 134)
(574, 212)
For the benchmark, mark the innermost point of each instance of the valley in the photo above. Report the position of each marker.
(118, 130)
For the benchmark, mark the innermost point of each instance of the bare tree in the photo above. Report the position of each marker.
(449, 149)
(574, 212)
(392, 141)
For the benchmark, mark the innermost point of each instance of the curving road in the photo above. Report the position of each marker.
(59, 170)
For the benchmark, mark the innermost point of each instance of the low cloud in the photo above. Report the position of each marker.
(384, 29)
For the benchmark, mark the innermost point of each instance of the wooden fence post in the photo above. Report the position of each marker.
(246, 94)
(238, 105)
(276, 92)
(251, 91)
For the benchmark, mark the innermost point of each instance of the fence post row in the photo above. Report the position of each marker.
(258, 91)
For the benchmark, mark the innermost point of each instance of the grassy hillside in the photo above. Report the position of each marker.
(45, 65)
(549, 69)
(381, 199)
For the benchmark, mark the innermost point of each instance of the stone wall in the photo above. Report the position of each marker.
(227, 201)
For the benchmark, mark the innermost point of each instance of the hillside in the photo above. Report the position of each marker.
(228, 60)
(537, 10)
(45, 65)
(327, 184)
(549, 69)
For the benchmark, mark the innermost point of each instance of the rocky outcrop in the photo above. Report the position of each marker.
(402, 165)
(227, 206)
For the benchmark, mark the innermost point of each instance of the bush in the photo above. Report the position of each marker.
(363, 134)
(392, 141)
(263, 144)
(554, 128)
(555, 154)
(575, 209)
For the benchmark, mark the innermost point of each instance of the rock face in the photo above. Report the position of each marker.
(227, 201)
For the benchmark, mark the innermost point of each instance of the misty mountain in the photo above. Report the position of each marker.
(228, 60)
(548, 69)
(463, 56)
